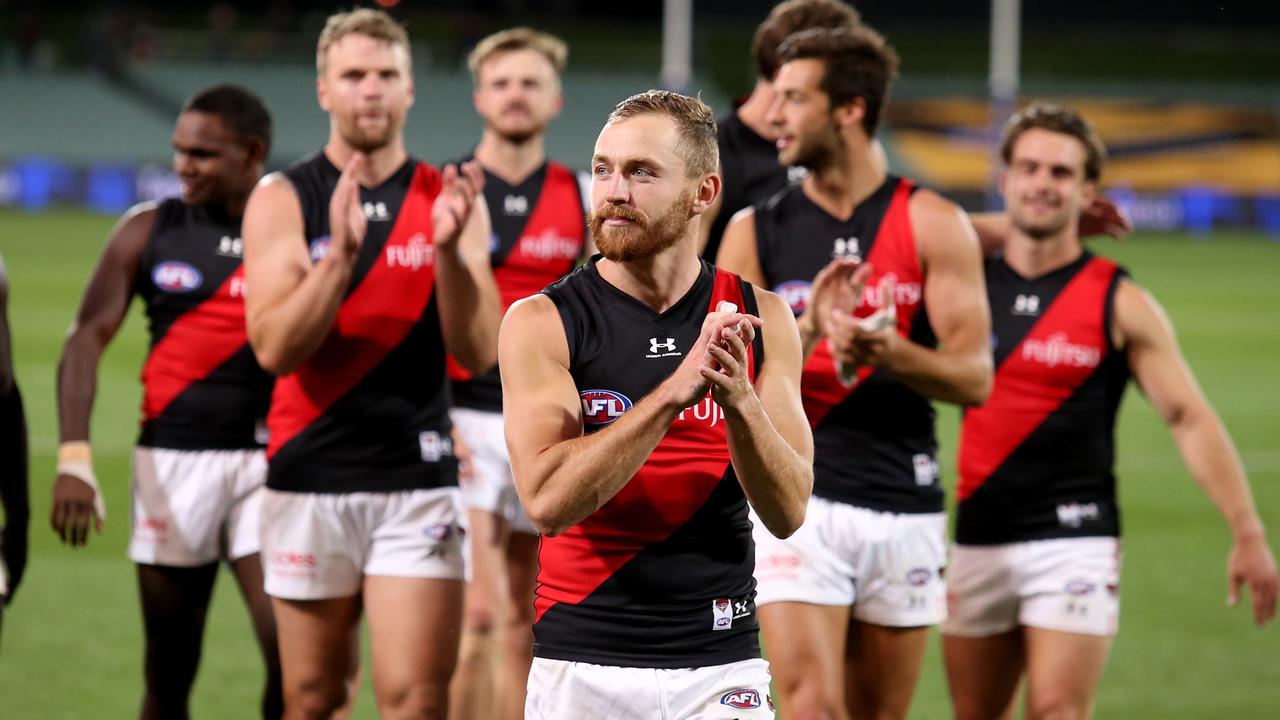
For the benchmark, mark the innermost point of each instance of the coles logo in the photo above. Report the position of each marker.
(319, 248)
(796, 293)
(176, 277)
(601, 407)
(919, 577)
(744, 699)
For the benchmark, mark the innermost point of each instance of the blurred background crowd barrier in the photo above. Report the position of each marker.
(1185, 94)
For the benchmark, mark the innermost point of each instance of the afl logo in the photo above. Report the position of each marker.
(601, 407)
(319, 248)
(176, 277)
(796, 293)
(919, 577)
(744, 699)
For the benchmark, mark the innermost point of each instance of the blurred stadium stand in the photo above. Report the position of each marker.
(1189, 106)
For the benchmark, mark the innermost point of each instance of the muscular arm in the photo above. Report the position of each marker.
(14, 485)
(290, 304)
(469, 305)
(562, 475)
(960, 370)
(1207, 450)
(102, 309)
(770, 443)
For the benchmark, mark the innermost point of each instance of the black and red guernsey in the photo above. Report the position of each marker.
(368, 411)
(750, 171)
(202, 387)
(661, 575)
(538, 233)
(1036, 461)
(874, 443)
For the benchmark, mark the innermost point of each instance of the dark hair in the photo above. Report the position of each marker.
(241, 110)
(1059, 119)
(696, 123)
(857, 63)
(792, 17)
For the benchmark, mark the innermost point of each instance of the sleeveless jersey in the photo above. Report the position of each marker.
(368, 411)
(751, 173)
(661, 575)
(874, 443)
(538, 234)
(1036, 460)
(202, 386)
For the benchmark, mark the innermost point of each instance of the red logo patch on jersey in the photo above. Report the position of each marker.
(601, 407)
(744, 699)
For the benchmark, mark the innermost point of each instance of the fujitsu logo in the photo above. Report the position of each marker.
(416, 254)
(1057, 350)
(903, 293)
(549, 245)
(707, 411)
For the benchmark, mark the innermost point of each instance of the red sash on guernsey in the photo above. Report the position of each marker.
(195, 345)
(1063, 350)
(893, 253)
(674, 483)
(371, 322)
(545, 250)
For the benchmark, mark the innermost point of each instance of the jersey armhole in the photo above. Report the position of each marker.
(1109, 307)
(752, 307)
(566, 321)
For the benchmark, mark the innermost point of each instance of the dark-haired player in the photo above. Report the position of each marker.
(886, 280)
(199, 466)
(1033, 585)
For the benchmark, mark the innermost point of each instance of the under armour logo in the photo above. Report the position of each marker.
(515, 205)
(656, 347)
(1026, 305)
(376, 212)
(231, 247)
(846, 248)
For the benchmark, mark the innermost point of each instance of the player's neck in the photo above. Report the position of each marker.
(659, 281)
(1032, 258)
(843, 184)
(752, 112)
(513, 162)
(379, 164)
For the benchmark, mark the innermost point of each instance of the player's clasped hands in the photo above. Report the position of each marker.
(687, 385)
(729, 376)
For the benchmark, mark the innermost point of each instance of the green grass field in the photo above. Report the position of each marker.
(73, 642)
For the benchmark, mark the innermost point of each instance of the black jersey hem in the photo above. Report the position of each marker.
(317, 478)
(906, 505)
(170, 439)
(639, 660)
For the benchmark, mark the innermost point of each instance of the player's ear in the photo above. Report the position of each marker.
(322, 94)
(1089, 192)
(851, 113)
(1004, 179)
(255, 151)
(707, 192)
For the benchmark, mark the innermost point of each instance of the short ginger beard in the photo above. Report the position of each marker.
(364, 142)
(647, 237)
